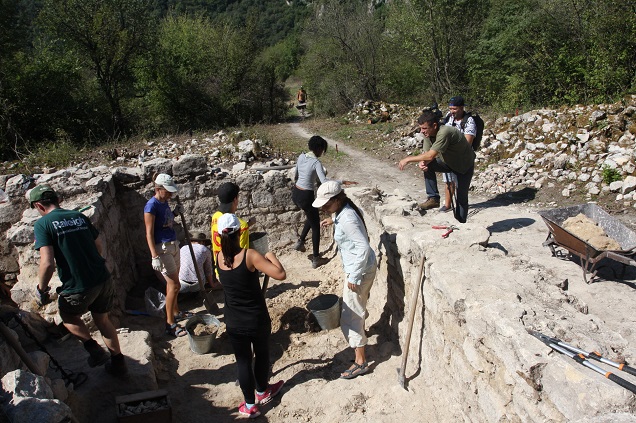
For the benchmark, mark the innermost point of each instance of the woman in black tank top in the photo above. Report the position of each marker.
(246, 317)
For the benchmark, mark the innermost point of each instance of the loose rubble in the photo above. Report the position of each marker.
(587, 149)
(143, 407)
(201, 329)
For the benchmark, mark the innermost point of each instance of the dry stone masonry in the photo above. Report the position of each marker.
(472, 355)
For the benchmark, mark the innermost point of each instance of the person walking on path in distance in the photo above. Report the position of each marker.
(164, 247)
(68, 239)
(247, 319)
(309, 171)
(455, 155)
(454, 118)
(301, 100)
(359, 263)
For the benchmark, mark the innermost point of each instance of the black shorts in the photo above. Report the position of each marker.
(98, 300)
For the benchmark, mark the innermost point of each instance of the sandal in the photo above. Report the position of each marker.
(183, 315)
(355, 370)
(175, 330)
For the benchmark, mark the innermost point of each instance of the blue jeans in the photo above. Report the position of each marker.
(463, 184)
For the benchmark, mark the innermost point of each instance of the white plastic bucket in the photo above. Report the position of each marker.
(326, 309)
(202, 344)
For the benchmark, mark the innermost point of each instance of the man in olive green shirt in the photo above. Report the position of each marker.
(445, 150)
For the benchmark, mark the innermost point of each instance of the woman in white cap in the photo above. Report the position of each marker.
(359, 262)
(247, 320)
(164, 247)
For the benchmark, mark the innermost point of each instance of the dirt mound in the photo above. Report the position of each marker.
(586, 229)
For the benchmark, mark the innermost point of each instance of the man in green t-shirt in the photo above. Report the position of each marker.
(67, 238)
(445, 150)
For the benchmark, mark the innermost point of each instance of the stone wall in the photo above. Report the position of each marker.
(114, 199)
(470, 353)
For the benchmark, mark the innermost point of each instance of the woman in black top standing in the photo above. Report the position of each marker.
(247, 320)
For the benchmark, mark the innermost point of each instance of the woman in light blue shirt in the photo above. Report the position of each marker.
(359, 262)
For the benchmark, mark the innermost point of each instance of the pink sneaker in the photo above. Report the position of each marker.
(249, 413)
(270, 392)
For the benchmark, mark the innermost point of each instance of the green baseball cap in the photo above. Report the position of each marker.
(41, 192)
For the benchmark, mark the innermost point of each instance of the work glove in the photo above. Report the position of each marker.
(157, 264)
(178, 210)
(43, 297)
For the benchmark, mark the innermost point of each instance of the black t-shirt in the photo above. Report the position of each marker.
(245, 308)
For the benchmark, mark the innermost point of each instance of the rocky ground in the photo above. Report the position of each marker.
(203, 387)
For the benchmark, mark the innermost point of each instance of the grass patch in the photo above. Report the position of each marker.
(58, 155)
(283, 142)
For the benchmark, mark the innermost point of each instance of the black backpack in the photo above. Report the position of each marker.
(479, 123)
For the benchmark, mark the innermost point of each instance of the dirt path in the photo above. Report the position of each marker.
(359, 166)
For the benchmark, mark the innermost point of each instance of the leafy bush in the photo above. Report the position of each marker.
(610, 175)
(57, 154)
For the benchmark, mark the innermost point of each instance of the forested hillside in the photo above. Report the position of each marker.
(78, 72)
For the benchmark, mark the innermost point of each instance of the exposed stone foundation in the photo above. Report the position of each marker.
(469, 353)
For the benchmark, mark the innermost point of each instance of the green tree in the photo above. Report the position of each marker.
(343, 59)
(531, 53)
(206, 74)
(110, 35)
(273, 66)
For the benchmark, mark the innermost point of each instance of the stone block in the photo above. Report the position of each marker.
(10, 212)
(41, 361)
(17, 186)
(127, 175)
(190, 165)
(629, 184)
(262, 198)
(159, 165)
(21, 235)
(396, 223)
(30, 410)
(22, 383)
(239, 167)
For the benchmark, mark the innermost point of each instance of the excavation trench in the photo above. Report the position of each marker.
(469, 356)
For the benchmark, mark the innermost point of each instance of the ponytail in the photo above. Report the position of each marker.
(230, 247)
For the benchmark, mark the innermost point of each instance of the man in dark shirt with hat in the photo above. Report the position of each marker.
(67, 238)
(228, 195)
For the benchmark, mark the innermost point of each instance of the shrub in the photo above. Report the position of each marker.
(610, 175)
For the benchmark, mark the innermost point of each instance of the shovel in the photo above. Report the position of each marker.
(208, 298)
(405, 350)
